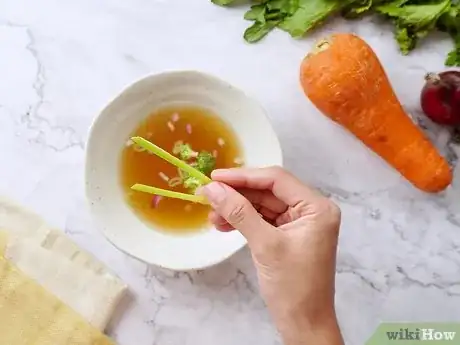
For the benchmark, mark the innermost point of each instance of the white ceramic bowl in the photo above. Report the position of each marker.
(109, 134)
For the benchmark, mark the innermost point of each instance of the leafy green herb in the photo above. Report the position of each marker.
(406, 41)
(266, 16)
(223, 2)
(309, 14)
(288, 7)
(414, 19)
(257, 13)
(357, 8)
(450, 22)
(453, 59)
(258, 31)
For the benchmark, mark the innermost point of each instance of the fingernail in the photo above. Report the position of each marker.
(222, 172)
(214, 192)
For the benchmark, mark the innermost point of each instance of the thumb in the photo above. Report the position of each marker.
(236, 210)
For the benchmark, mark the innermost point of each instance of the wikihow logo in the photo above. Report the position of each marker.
(415, 333)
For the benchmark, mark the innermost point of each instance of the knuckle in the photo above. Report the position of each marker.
(335, 211)
(238, 212)
(326, 206)
(277, 172)
(329, 210)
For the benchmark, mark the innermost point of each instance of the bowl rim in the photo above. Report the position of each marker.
(96, 221)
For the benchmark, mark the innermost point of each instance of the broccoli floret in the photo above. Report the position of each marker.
(191, 183)
(184, 151)
(185, 175)
(205, 162)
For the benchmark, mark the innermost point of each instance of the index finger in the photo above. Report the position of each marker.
(279, 181)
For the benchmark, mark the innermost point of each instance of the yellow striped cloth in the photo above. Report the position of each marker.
(29, 314)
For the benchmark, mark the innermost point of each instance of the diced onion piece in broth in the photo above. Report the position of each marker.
(221, 142)
(188, 128)
(163, 176)
(175, 117)
(175, 181)
(171, 126)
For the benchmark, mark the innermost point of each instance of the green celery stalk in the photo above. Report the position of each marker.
(169, 194)
(171, 159)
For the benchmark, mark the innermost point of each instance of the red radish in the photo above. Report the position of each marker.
(441, 97)
(155, 201)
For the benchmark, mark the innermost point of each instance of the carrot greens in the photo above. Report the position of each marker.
(413, 19)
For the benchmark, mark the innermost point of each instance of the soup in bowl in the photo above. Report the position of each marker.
(196, 118)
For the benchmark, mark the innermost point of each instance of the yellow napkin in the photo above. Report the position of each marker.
(58, 264)
(29, 314)
(3, 242)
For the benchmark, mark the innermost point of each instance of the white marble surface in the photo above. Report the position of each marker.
(61, 61)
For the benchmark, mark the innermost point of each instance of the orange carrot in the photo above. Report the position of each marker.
(345, 80)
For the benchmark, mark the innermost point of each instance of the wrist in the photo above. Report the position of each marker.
(302, 329)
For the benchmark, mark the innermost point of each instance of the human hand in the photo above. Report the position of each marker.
(292, 232)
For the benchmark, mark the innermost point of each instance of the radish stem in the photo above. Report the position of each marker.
(147, 145)
(169, 194)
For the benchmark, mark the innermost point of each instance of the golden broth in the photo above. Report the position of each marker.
(193, 125)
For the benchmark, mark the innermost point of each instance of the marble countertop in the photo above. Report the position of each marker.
(61, 61)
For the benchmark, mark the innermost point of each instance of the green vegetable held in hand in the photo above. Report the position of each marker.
(152, 148)
(169, 194)
(414, 19)
(192, 176)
